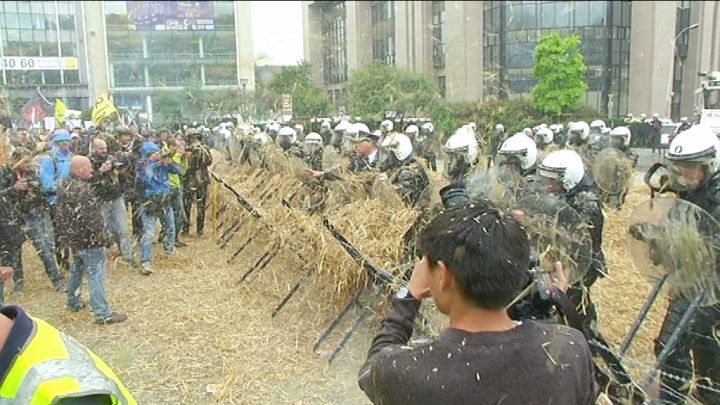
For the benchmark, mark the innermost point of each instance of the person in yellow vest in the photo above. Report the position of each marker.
(39, 365)
(176, 149)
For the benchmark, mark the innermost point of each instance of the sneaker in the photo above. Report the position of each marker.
(60, 286)
(115, 317)
(180, 244)
(76, 308)
(145, 269)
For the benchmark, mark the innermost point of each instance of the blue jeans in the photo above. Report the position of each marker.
(115, 215)
(93, 262)
(39, 229)
(179, 212)
(146, 241)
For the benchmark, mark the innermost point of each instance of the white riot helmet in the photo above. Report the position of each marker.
(260, 139)
(564, 166)
(386, 126)
(313, 142)
(342, 126)
(412, 130)
(597, 126)
(544, 136)
(286, 135)
(473, 126)
(579, 131)
(518, 149)
(398, 145)
(528, 132)
(500, 128)
(325, 125)
(684, 120)
(462, 152)
(620, 136)
(697, 145)
(361, 128)
(299, 129)
(555, 128)
(428, 127)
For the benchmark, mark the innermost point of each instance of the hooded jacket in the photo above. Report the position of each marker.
(154, 175)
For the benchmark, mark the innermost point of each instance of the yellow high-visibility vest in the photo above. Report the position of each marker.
(53, 366)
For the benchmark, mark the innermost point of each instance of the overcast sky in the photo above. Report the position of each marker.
(277, 32)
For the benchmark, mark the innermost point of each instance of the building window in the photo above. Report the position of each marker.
(334, 42)
(439, 33)
(145, 56)
(383, 31)
(441, 83)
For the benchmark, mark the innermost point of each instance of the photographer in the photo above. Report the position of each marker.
(153, 174)
(197, 179)
(474, 262)
(109, 192)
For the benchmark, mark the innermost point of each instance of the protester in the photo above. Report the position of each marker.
(474, 262)
(81, 226)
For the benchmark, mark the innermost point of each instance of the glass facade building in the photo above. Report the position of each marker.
(512, 29)
(334, 42)
(383, 31)
(143, 60)
(39, 48)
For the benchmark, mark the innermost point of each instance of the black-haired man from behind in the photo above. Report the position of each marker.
(474, 262)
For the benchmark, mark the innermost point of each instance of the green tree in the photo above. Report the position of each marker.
(378, 88)
(308, 99)
(560, 69)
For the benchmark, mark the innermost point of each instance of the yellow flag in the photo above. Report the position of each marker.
(103, 109)
(60, 109)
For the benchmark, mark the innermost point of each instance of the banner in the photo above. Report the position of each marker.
(60, 109)
(170, 15)
(103, 109)
(38, 63)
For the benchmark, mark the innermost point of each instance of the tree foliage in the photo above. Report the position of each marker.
(378, 88)
(560, 69)
(308, 99)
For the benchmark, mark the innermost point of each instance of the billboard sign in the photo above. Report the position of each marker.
(170, 15)
(38, 63)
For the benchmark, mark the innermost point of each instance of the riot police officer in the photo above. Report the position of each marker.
(403, 171)
(461, 155)
(518, 154)
(694, 162)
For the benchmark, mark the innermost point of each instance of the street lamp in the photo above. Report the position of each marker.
(672, 71)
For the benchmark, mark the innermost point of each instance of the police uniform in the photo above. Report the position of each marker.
(41, 365)
(412, 183)
(700, 336)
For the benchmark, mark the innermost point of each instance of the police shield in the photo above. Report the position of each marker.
(557, 234)
(612, 171)
(677, 240)
(499, 185)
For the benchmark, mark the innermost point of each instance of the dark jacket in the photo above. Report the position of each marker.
(24, 201)
(80, 224)
(197, 174)
(106, 186)
(585, 199)
(530, 364)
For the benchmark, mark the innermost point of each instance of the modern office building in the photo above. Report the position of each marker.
(642, 56)
(129, 49)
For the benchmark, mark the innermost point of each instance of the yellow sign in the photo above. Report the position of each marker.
(60, 109)
(70, 63)
(103, 109)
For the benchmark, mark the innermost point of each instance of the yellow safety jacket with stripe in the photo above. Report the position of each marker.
(53, 366)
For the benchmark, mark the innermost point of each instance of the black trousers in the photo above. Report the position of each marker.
(696, 356)
(199, 196)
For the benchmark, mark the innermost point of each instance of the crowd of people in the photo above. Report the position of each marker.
(69, 194)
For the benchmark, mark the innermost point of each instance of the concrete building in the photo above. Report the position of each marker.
(475, 50)
(81, 49)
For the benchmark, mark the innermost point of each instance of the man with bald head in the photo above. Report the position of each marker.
(81, 227)
(109, 192)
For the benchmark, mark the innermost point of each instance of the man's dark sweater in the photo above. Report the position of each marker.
(80, 224)
(534, 363)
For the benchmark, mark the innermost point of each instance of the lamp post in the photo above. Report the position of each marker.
(672, 71)
(243, 83)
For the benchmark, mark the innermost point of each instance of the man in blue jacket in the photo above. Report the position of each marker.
(55, 167)
(153, 174)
